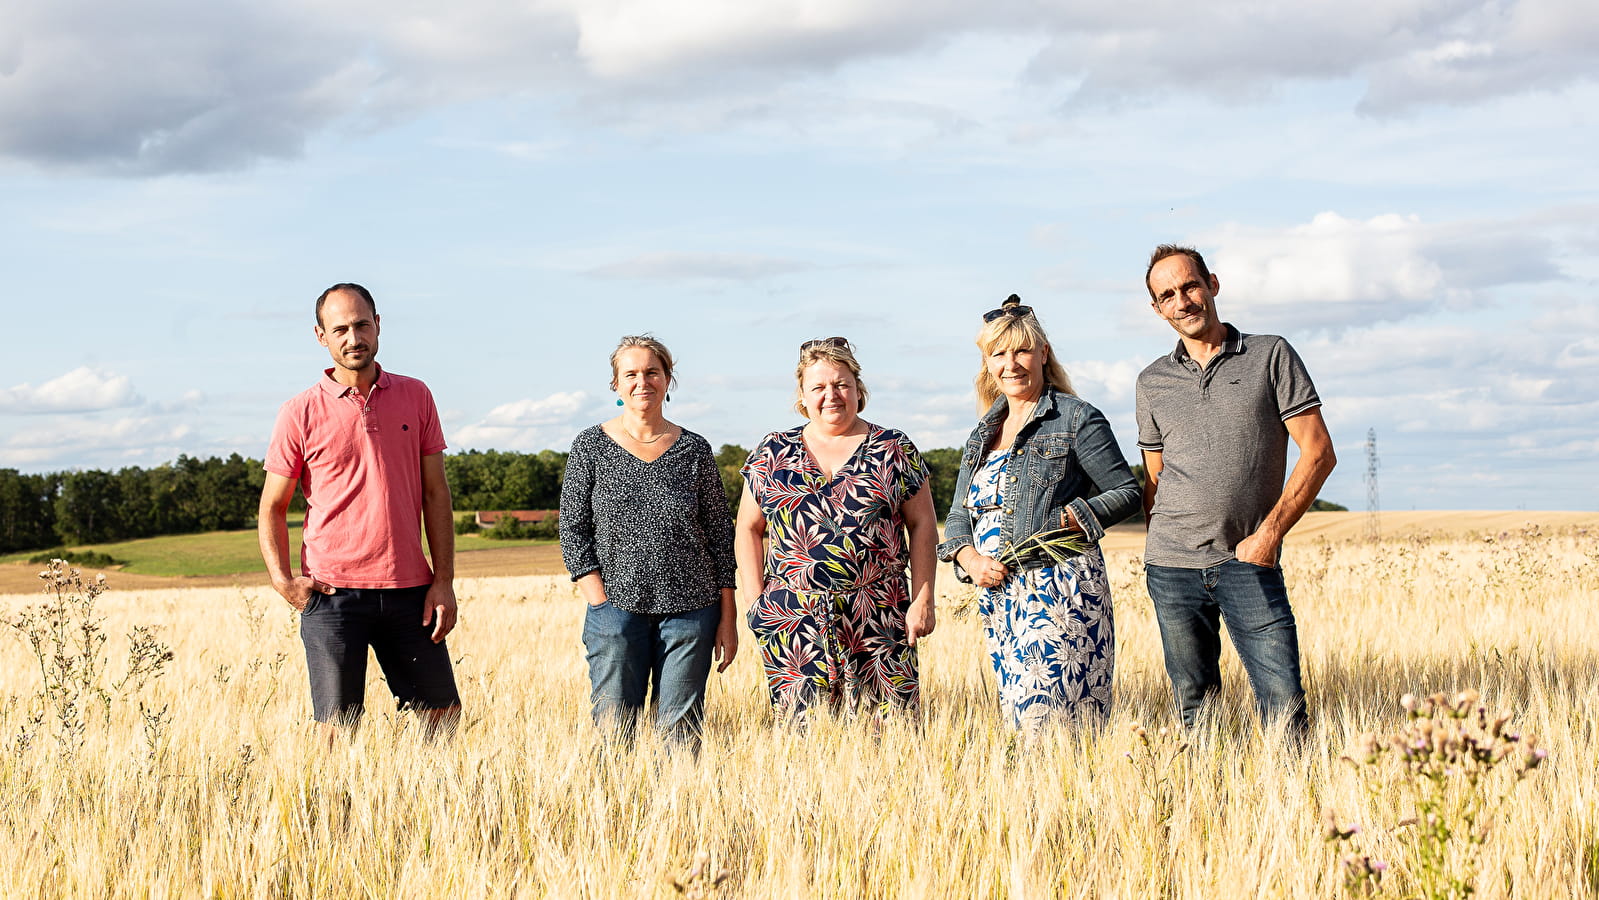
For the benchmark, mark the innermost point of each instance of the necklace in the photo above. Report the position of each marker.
(640, 440)
(1014, 424)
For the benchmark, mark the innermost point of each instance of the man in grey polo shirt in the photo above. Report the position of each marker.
(1214, 420)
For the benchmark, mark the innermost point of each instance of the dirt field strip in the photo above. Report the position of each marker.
(545, 559)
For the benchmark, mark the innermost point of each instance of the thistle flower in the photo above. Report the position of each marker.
(1332, 831)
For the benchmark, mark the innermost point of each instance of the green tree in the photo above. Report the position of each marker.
(473, 480)
(729, 460)
(943, 467)
(27, 510)
(225, 498)
(86, 510)
(139, 503)
(502, 479)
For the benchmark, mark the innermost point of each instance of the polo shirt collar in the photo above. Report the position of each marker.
(334, 389)
(1233, 343)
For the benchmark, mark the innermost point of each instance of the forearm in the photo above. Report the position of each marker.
(924, 562)
(272, 531)
(749, 551)
(1154, 462)
(1304, 483)
(438, 520)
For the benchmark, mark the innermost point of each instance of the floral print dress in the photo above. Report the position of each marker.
(830, 620)
(1050, 632)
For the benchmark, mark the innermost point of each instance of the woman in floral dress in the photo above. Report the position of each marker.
(1040, 462)
(843, 506)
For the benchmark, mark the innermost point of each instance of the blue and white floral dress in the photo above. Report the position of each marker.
(1050, 631)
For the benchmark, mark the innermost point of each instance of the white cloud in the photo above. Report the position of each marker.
(172, 85)
(68, 441)
(1409, 53)
(528, 424)
(555, 408)
(1489, 50)
(183, 85)
(1450, 402)
(1336, 272)
(1106, 383)
(80, 390)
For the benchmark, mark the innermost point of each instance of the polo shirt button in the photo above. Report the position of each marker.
(1009, 511)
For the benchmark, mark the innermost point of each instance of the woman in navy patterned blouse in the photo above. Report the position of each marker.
(647, 536)
(844, 506)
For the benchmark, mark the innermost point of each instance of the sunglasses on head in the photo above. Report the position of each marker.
(840, 343)
(1011, 307)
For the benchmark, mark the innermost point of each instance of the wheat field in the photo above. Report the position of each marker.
(210, 782)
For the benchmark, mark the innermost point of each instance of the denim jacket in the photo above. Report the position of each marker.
(1065, 456)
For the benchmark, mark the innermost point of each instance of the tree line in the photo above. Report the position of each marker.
(193, 495)
(97, 507)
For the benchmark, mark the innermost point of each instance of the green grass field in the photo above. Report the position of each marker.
(215, 553)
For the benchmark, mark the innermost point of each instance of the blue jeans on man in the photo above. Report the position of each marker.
(1191, 605)
(667, 657)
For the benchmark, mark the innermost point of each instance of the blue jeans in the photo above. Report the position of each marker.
(666, 656)
(1191, 604)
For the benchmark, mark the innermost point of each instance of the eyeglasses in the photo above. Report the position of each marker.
(1011, 307)
(838, 342)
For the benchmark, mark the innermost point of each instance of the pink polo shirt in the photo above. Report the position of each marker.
(360, 466)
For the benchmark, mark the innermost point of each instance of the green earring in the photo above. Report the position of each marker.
(618, 401)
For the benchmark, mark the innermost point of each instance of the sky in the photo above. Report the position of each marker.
(1405, 189)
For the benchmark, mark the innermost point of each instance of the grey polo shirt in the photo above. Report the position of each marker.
(1220, 433)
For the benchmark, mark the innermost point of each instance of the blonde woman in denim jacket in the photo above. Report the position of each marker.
(1040, 460)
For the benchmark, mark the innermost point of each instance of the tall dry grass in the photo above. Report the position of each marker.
(232, 798)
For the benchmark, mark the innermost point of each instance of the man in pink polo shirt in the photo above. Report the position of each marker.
(366, 448)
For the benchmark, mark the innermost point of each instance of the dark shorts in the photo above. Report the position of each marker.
(338, 627)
